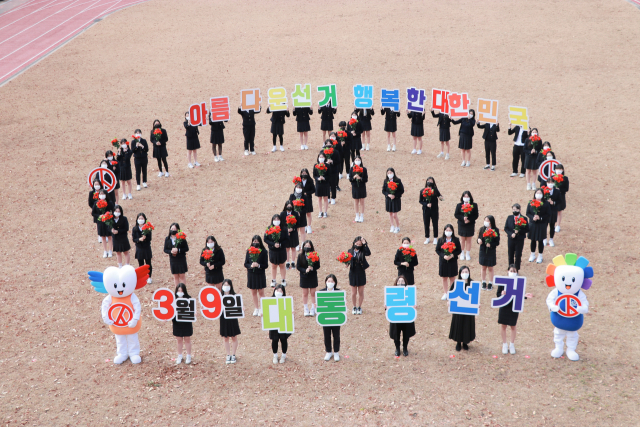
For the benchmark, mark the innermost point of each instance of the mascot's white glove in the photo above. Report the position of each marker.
(582, 309)
(132, 323)
(107, 321)
(555, 308)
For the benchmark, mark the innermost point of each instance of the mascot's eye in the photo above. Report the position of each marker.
(573, 280)
(563, 278)
(115, 286)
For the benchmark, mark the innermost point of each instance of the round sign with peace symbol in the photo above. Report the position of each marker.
(106, 177)
(120, 314)
(566, 308)
(547, 168)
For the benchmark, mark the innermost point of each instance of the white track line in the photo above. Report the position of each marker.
(31, 13)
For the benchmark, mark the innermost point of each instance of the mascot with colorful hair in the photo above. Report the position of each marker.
(568, 304)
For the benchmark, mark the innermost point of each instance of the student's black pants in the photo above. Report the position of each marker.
(405, 341)
(540, 246)
(249, 136)
(162, 160)
(142, 262)
(333, 184)
(428, 214)
(274, 139)
(518, 156)
(552, 229)
(141, 166)
(347, 164)
(328, 330)
(283, 342)
(515, 247)
(490, 151)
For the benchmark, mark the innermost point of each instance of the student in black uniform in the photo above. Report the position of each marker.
(326, 119)
(120, 232)
(256, 276)
(113, 166)
(302, 118)
(448, 262)
(249, 129)
(276, 336)
(393, 198)
(323, 189)
(466, 223)
(554, 199)
(331, 284)
(140, 149)
(337, 145)
(444, 123)
(487, 250)
(562, 182)
(508, 317)
(229, 328)
(355, 131)
(293, 242)
(193, 141)
(390, 126)
(111, 197)
(308, 278)
(544, 154)
(213, 274)
(143, 244)
(405, 268)
(417, 130)
(298, 194)
(466, 136)
(430, 208)
(515, 238)
(182, 330)
(463, 327)
(217, 139)
(309, 190)
(160, 147)
(277, 126)
(357, 274)
(177, 254)
(490, 136)
(333, 160)
(531, 150)
(94, 196)
(124, 162)
(364, 118)
(406, 329)
(277, 250)
(520, 136)
(358, 181)
(538, 221)
(347, 158)
(103, 231)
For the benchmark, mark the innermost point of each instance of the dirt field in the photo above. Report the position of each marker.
(573, 63)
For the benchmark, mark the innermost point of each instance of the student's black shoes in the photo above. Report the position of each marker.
(397, 354)
(405, 352)
(458, 347)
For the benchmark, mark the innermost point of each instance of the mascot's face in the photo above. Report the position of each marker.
(568, 279)
(120, 282)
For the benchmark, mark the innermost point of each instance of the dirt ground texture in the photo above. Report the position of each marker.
(573, 63)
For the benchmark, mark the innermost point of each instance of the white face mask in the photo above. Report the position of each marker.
(400, 283)
(180, 294)
(448, 233)
(186, 117)
(278, 294)
(333, 138)
(466, 199)
(354, 117)
(141, 221)
(487, 224)
(116, 214)
(298, 190)
(104, 165)
(405, 245)
(276, 222)
(549, 157)
(559, 171)
(210, 245)
(358, 162)
(226, 288)
(390, 176)
(102, 197)
(513, 274)
(138, 135)
(464, 276)
(96, 187)
(110, 158)
(534, 134)
(320, 160)
(330, 285)
(538, 196)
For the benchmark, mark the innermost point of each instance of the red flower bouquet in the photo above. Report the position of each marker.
(546, 151)
(408, 253)
(427, 193)
(147, 228)
(328, 152)
(535, 141)
(291, 221)
(489, 235)
(207, 254)
(466, 209)
(559, 179)
(546, 191)
(321, 168)
(113, 163)
(353, 123)
(520, 223)
(106, 218)
(157, 134)
(298, 204)
(181, 237)
(274, 231)
(448, 248)
(345, 258)
(392, 186)
(342, 135)
(254, 254)
(102, 205)
(96, 195)
(356, 171)
(536, 205)
(297, 180)
(115, 143)
(312, 259)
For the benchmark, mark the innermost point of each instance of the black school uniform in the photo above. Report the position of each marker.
(114, 167)
(308, 189)
(417, 123)
(326, 117)
(256, 277)
(355, 144)
(278, 255)
(103, 230)
(143, 248)
(407, 272)
(331, 330)
(177, 263)
(516, 245)
(358, 265)
(465, 132)
(121, 239)
(140, 149)
(302, 215)
(531, 159)
(359, 187)
(518, 154)
(217, 132)
(408, 330)
(448, 268)
(302, 118)
(538, 229)
(182, 329)
(430, 213)
(365, 120)
(334, 170)
(506, 315)
(229, 328)
(124, 162)
(216, 275)
(553, 208)
(294, 240)
(159, 151)
(278, 120)
(92, 202)
(395, 204)
(192, 132)
(323, 189)
(390, 119)
(310, 279)
(564, 189)
(490, 136)
(463, 326)
(487, 257)
(464, 229)
(444, 123)
(248, 127)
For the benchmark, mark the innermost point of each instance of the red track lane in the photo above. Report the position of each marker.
(35, 28)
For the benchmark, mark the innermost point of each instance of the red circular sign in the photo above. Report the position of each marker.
(546, 168)
(123, 315)
(106, 177)
(569, 311)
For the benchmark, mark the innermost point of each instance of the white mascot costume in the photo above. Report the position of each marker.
(121, 309)
(567, 303)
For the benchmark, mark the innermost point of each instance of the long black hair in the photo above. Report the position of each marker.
(434, 186)
(395, 175)
(215, 242)
(230, 283)
(443, 239)
(335, 281)
(460, 277)
(467, 192)
(259, 239)
(121, 210)
(177, 227)
(279, 286)
(287, 203)
(159, 124)
(184, 289)
(305, 170)
(492, 220)
(302, 257)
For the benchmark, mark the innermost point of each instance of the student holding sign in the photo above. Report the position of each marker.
(393, 190)
(308, 270)
(463, 326)
(302, 118)
(417, 130)
(277, 126)
(407, 330)
(357, 272)
(275, 336)
(331, 285)
(448, 249)
(358, 177)
(229, 328)
(466, 137)
(326, 118)
(182, 330)
(193, 141)
(444, 123)
(256, 262)
(249, 129)
(488, 239)
(390, 126)
(217, 138)
(159, 141)
(508, 317)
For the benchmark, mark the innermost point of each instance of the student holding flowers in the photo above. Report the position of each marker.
(488, 239)
(291, 219)
(120, 230)
(300, 202)
(405, 260)
(538, 213)
(516, 228)
(100, 207)
(141, 236)
(334, 163)
(466, 213)
(176, 246)
(448, 249)
(159, 139)
(321, 177)
(354, 129)
(256, 262)
(429, 197)
(308, 265)
(358, 177)
(357, 271)
(276, 237)
(562, 182)
(532, 147)
(393, 189)
(212, 259)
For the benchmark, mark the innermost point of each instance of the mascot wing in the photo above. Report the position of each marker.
(143, 275)
(96, 281)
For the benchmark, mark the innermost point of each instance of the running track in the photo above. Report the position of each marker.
(34, 28)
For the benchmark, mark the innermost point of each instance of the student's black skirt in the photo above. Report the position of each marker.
(277, 128)
(366, 124)
(358, 192)
(506, 315)
(308, 205)
(356, 144)
(537, 231)
(562, 204)
(214, 276)
(278, 256)
(121, 244)
(463, 328)
(309, 281)
(217, 137)
(445, 135)
(257, 279)
(466, 230)
(448, 268)
(143, 252)
(323, 189)
(393, 205)
(193, 143)
(103, 229)
(466, 142)
(530, 161)
(302, 219)
(303, 126)
(293, 237)
(125, 172)
(417, 129)
(182, 329)
(391, 126)
(487, 258)
(229, 327)
(357, 278)
(178, 265)
(407, 329)
(159, 151)
(326, 125)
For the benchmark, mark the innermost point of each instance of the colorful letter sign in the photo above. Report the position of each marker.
(400, 302)
(331, 308)
(278, 99)
(514, 290)
(465, 301)
(301, 96)
(390, 98)
(277, 314)
(458, 104)
(440, 100)
(519, 116)
(198, 114)
(220, 110)
(330, 95)
(363, 96)
(488, 111)
(416, 99)
(250, 100)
